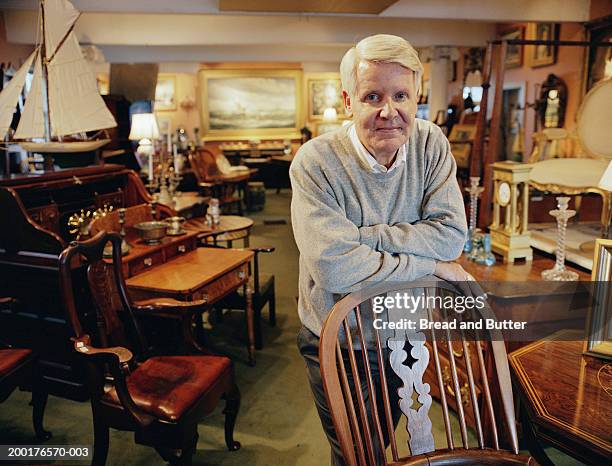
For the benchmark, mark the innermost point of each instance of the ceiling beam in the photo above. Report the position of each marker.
(371, 7)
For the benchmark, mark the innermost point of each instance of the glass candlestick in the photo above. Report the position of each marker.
(559, 273)
(474, 191)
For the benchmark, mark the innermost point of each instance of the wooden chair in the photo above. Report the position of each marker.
(18, 368)
(215, 183)
(160, 398)
(263, 292)
(362, 430)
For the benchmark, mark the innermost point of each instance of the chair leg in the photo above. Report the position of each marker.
(232, 406)
(100, 442)
(272, 307)
(39, 402)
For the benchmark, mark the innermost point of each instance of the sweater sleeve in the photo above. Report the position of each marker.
(329, 242)
(441, 232)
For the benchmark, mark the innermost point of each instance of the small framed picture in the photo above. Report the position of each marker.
(599, 326)
(514, 53)
(461, 151)
(165, 92)
(542, 55)
(462, 133)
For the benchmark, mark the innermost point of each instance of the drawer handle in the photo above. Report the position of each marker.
(52, 215)
(448, 383)
(148, 262)
(181, 248)
(241, 274)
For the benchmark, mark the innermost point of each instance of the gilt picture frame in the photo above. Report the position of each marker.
(599, 324)
(250, 104)
(514, 53)
(541, 55)
(324, 90)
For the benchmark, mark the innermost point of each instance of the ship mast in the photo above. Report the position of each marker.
(45, 75)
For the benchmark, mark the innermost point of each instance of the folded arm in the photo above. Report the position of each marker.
(330, 244)
(441, 232)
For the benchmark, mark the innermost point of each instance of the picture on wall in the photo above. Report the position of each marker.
(324, 90)
(542, 55)
(239, 104)
(514, 53)
(165, 93)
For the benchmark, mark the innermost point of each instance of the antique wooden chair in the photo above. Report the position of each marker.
(228, 188)
(18, 368)
(160, 398)
(360, 365)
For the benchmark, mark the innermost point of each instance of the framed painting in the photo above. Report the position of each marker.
(599, 324)
(542, 55)
(324, 90)
(165, 92)
(514, 53)
(461, 151)
(250, 104)
(103, 82)
(462, 133)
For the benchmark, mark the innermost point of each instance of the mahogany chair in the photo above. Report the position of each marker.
(215, 183)
(18, 369)
(162, 398)
(366, 372)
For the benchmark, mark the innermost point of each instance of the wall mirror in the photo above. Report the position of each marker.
(552, 102)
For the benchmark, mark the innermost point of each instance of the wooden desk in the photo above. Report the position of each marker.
(204, 273)
(563, 401)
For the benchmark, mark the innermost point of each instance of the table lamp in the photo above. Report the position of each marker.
(605, 183)
(144, 130)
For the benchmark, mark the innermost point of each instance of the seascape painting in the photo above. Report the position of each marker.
(252, 103)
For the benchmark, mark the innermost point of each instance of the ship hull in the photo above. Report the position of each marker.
(55, 147)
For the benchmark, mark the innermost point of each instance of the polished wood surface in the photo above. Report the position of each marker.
(568, 396)
(189, 272)
(520, 271)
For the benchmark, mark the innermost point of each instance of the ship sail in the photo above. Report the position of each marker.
(10, 95)
(75, 104)
(60, 16)
(32, 122)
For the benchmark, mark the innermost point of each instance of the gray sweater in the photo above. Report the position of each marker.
(354, 228)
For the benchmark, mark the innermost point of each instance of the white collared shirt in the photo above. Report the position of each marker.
(369, 160)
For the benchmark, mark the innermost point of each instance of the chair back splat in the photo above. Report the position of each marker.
(378, 355)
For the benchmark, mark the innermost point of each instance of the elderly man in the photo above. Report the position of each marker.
(377, 200)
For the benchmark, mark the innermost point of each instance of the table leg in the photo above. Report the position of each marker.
(533, 445)
(250, 321)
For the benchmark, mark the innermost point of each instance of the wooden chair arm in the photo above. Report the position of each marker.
(116, 355)
(117, 359)
(169, 307)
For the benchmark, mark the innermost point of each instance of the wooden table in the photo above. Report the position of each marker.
(231, 228)
(203, 273)
(563, 399)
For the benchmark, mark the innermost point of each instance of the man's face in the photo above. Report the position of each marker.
(383, 107)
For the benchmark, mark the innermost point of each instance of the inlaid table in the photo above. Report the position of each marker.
(566, 398)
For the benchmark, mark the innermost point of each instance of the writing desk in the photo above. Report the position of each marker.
(204, 273)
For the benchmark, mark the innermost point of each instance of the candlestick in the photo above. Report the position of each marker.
(474, 190)
(559, 273)
(150, 167)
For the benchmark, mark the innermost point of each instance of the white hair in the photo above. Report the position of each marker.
(381, 48)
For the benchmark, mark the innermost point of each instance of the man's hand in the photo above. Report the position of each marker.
(451, 272)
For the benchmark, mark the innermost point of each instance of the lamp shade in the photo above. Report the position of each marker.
(144, 126)
(606, 179)
(330, 114)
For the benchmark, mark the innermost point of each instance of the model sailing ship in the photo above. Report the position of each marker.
(63, 100)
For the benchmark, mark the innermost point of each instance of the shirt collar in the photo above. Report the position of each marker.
(367, 158)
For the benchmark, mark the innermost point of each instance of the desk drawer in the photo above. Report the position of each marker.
(143, 263)
(222, 286)
(181, 247)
